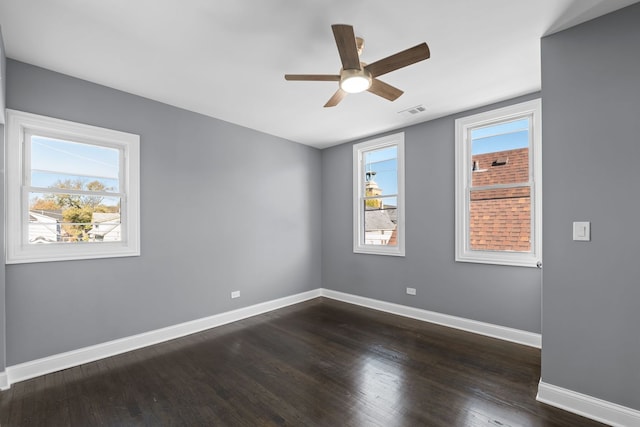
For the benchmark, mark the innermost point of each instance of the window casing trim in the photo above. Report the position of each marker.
(18, 250)
(358, 197)
(463, 163)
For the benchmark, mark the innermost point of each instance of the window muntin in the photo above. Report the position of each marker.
(73, 190)
(378, 196)
(498, 213)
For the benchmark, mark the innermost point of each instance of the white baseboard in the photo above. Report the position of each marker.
(4, 381)
(57, 362)
(495, 331)
(587, 406)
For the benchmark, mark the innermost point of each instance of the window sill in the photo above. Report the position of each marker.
(368, 251)
(515, 261)
(57, 252)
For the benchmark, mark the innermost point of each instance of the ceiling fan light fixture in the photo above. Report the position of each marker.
(356, 76)
(355, 81)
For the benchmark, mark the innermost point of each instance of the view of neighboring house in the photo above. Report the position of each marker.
(44, 226)
(379, 228)
(47, 227)
(500, 218)
(106, 227)
(380, 222)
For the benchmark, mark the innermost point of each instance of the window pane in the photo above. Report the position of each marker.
(381, 172)
(500, 153)
(63, 164)
(66, 218)
(380, 221)
(500, 220)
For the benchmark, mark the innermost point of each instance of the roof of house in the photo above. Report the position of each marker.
(105, 222)
(39, 215)
(379, 219)
(106, 217)
(502, 167)
(500, 219)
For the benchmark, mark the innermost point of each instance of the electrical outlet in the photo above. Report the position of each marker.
(411, 291)
(235, 294)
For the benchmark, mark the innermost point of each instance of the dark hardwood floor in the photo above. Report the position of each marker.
(320, 363)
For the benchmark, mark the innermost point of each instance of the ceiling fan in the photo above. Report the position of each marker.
(356, 76)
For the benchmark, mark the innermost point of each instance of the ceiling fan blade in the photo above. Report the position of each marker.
(399, 60)
(385, 90)
(336, 98)
(347, 48)
(313, 77)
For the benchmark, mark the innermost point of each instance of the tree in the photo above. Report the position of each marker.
(77, 210)
(44, 205)
(93, 201)
(74, 200)
(77, 222)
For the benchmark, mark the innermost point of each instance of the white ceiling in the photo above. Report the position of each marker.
(226, 59)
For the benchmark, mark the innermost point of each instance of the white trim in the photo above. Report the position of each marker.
(587, 406)
(4, 381)
(3, 79)
(18, 250)
(488, 329)
(358, 185)
(57, 362)
(463, 126)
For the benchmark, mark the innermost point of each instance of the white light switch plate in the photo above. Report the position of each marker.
(582, 231)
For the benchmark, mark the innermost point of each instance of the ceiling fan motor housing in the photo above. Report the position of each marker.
(354, 81)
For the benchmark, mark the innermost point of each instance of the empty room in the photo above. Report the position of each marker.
(305, 213)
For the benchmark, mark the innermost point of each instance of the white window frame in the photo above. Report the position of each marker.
(464, 126)
(18, 249)
(359, 151)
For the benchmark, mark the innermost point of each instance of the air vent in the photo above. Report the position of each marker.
(413, 110)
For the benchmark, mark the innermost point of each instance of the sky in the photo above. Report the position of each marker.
(385, 164)
(500, 137)
(53, 160)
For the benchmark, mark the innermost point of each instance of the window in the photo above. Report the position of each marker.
(72, 190)
(498, 186)
(378, 211)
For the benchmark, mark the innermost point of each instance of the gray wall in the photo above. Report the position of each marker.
(591, 169)
(507, 296)
(223, 208)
